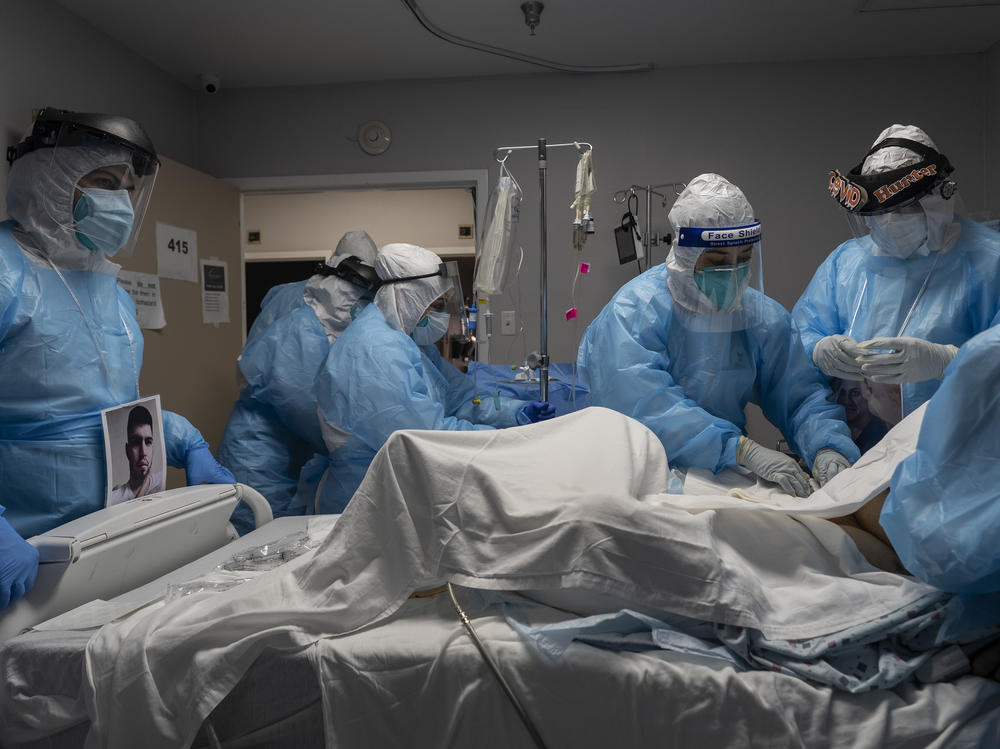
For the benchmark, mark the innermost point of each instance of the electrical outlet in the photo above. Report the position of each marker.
(507, 322)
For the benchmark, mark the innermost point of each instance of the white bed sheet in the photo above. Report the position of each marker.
(574, 502)
(418, 680)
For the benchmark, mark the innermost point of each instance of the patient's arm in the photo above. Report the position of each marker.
(864, 529)
(867, 516)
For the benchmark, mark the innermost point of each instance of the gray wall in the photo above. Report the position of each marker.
(51, 58)
(992, 140)
(773, 129)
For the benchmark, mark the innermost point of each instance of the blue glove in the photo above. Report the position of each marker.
(202, 468)
(18, 565)
(536, 411)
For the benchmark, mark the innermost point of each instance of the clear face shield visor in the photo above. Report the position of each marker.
(888, 204)
(109, 200)
(728, 260)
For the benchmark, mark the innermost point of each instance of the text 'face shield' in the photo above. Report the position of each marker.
(727, 260)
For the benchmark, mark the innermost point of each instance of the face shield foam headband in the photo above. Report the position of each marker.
(872, 194)
(720, 237)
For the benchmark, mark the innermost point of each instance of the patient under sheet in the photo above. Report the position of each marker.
(569, 505)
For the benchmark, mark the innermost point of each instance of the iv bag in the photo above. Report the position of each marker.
(499, 236)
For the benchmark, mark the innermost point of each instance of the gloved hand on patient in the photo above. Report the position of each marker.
(908, 360)
(535, 411)
(18, 565)
(828, 463)
(773, 466)
(202, 468)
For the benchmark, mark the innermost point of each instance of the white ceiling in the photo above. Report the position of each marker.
(260, 43)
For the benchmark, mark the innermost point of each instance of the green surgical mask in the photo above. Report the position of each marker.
(723, 284)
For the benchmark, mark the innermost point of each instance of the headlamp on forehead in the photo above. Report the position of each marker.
(872, 194)
(722, 236)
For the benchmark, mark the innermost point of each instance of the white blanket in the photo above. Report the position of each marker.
(575, 502)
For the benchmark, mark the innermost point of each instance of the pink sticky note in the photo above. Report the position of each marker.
(571, 313)
(585, 267)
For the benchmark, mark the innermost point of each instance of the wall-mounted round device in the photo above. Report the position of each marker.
(374, 137)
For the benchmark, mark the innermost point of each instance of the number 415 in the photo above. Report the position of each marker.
(178, 245)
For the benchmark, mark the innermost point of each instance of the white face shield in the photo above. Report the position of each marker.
(727, 261)
(716, 254)
(79, 192)
(110, 197)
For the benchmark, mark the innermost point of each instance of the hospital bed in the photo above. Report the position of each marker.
(414, 677)
(118, 548)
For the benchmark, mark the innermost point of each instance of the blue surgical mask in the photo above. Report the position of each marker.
(103, 219)
(723, 284)
(900, 233)
(430, 328)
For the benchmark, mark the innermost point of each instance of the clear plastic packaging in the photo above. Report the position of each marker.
(269, 556)
(499, 236)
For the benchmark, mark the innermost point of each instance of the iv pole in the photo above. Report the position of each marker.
(542, 148)
(648, 241)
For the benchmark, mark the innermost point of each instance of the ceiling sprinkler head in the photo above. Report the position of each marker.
(532, 10)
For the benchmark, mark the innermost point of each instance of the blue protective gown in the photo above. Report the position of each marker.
(943, 510)
(688, 377)
(857, 294)
(376, 380)
(53, 386)
(278, 302)
(274, 429)
(492, 378)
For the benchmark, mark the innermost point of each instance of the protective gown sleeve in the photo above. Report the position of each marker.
(372, 383)
(794, 394)
(623, 356)
(815, 313)
(11, 281)
(943, 510)
(180, 436)
(493, 409)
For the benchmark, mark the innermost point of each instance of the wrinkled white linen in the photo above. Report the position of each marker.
(842, 495)
(575, 502)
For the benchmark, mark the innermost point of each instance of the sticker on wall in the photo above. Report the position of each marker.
(214, 292)
(144, 288)
(176, 253)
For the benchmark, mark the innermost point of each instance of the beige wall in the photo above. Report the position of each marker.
(299, 226)
(190, 364)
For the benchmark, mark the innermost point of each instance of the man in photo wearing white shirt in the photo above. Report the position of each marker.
(139, 452)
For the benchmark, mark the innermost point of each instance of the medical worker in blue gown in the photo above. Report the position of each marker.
(686, 345)
(943, 510)
(894, 304)
(273, 431)
(384, 373)
(70, 344)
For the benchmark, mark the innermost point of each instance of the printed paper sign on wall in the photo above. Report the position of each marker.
(144, 288)
(214, 292)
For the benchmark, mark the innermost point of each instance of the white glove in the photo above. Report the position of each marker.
(771, 465)
(828, 464)
(911, 360)
(837, 356)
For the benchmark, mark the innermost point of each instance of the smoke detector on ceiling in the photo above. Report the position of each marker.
(374, 137)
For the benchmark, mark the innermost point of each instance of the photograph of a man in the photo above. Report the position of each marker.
(144, 452)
